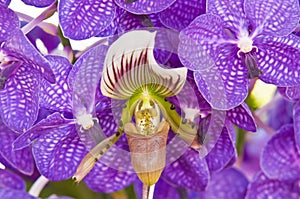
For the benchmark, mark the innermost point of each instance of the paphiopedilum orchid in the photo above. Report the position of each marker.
(239, 40)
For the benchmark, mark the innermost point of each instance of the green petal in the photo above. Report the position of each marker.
(131, 69)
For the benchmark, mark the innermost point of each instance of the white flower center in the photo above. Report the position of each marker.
(86, 121)
(245, 44)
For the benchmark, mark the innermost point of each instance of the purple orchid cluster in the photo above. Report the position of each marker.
(161, 103)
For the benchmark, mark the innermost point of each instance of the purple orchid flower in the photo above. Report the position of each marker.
(235, 41)
(60, 144)
(280, 168)
(21, 68)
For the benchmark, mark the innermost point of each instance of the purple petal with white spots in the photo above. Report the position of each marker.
(231, 12)
(53, 121)
(57, 96)
(188, 171)
(105, 179)
(85, 19)
(5, 3)
(39, 3)
(9, 22)
(277, 18)
(11, 180)
(229, 183)
(144, 6)
(84, 79)
(19, 99)
(297, 123)
(21, 160)
(242, 117)
(222, 152)
(13, 194)
(262, 187)
(225, 85)
(58, 153)
(278, 59)
(199, 42)
(290, 93)
(280, 157)
(177, 17)
(18, 44)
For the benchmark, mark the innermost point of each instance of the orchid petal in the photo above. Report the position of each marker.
(85, 19)
(177, 18)
(84, 78)
(11, 180)
(57, 96)
(39, 3)
(9, 23)
(290, 93)
(242, 117)
(277, 18)
(199, 42)
(231, 12)
(130, 65)
(21, 160)
(188, 171)
(297, 123)
(18, 44)
(53, 121)
(58, 153)
(19, 99)
(278, 59)
(144, 6)
(280, 157)
(262, 187)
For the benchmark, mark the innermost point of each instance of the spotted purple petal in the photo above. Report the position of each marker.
(58, 153)
(231, 12)
(229, 183)
(105, 179)
(11, 180)
(199, 42)
(57, 96)
(21, 160)
(188, 171)
(224, 86)
(21, 46)
(13, 194)
(85, 19)
(177, 17)
(280, 158)
(5, 2)
(262, 187)
(278, 59)
(9, 22)
(242, 117)
(39, 3)
(84, 78)
(278, 18)
(297, 123)
(222, 152)
(19, 99)
(144, 6)
(53, 121)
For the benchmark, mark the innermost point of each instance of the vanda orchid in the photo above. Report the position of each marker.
(159, 105)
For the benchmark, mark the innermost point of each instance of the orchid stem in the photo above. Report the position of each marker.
(148, 191)
(44, 15)
(38, 186)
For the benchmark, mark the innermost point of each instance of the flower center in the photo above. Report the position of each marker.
(86, 121)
